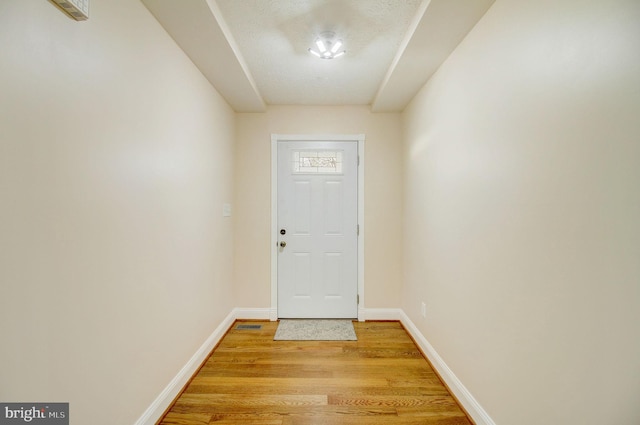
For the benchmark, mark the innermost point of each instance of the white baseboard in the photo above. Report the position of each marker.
(166, 397)
(471, 405)
(270, 314)
(252, 313)
(381, 313)
(160, 404)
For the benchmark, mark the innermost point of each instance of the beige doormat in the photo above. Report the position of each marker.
(315, 330)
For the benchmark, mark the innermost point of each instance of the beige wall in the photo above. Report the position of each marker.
(115, 158)
(383, 198)
(522, 212)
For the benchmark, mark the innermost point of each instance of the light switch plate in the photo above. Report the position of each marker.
(226, 210)
(77, 9)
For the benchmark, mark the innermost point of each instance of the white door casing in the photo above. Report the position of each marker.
(316, 221)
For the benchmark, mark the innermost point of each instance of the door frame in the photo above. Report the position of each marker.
(275, 138)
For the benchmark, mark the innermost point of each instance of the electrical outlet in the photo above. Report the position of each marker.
(423, 310)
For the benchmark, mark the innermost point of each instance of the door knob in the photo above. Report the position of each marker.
(283, 244)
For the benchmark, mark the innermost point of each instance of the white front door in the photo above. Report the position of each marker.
(317, 229)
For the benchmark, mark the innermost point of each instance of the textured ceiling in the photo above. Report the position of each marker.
(274, 35)
(254, 52)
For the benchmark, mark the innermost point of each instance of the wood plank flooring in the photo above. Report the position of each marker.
(381, 379)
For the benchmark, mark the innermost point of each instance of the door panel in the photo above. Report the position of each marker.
(333, 271)
(333, 203)
(317, 209)
(302, 211)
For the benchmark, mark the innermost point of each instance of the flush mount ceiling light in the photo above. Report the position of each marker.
(327, 47)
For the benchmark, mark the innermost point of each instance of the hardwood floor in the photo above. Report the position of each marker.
(381, 379)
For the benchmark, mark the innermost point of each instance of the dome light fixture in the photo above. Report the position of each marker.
(326, 46)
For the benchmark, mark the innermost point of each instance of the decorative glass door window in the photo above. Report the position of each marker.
(317, 162)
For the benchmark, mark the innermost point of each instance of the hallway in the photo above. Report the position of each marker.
(499, 220)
